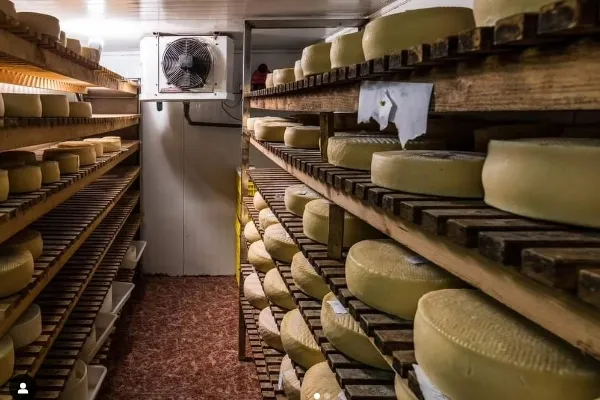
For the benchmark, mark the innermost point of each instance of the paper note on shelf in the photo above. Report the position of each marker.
(338, 307)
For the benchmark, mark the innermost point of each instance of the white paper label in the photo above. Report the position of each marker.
(430, 392)
(416, 260)
(280, 383)
(338, 307)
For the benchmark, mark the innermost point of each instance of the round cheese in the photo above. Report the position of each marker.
(289, 379)
(80, 109)
(315, 223)
(4, 185)
(27, 328)
(298, 73)
(22, 105)
(320, 383)
(302, 137)
(8, 8)
(391, 278)
(24, 179)
(89, 346)
(98, 147)
(253, 292)
(283, 76)
(259, 202)
(271, 131)
(472, 347)
(16, 270)
(41, 23)
(448, 173)
(266, 218)
(28, 239)
(87, 154)
(346, 335)
(356, 152)
(54, 105)
(90, 53)
(307, 279)
(346, 50)
(279, 244)
(74, 45)
(17, 157)
(1, 103)
(251, 122)
(393, 33)
(62, 39)
(259, 257)
(315, 59)
(269, 82)
(529, 178)
(50, 171)
(297, 197)
(67, 163)
(268, 330)
(7, 359)
(276, 290)
(108, 145)
(251, 233)
(298, 342)
(488, 12)
(76, 387)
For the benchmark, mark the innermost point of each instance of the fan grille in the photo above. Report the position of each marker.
(187, 63)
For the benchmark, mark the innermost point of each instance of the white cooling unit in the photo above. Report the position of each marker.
(187, 68)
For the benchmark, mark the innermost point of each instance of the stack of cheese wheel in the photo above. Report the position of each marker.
(86, 154)
(391, 278)
(488, 12)
(307, 279)
(50, 171)
(267, 329)
(266, 218)
(7, 359)
(315, 223)
(258, 202)
(22, 105)
(298, 73)
(320, 383)
(298, 342)
(251, 233)
(316, 59)
(4, 185)
(356, 152)
(271, 131)
(276, 290)
(346, 50)
(27, 328)
(77, 385)
(269, 82)
(8, 8)
(67, 163)
(472, 347)
(259, 257)
(279, 244)
(283, 76)
(346, 335)
(439, 173)
(28, 239)
(41, 23)
(253, 292)
(24, 178)
(16, 270)
(74, 45)
(302, 137)
(522, 177)
(109, 144)
(297, 197)
(289, 379)
(54, 105)
(80, 109)
(393, 33)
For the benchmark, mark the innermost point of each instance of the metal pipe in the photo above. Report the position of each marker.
(186, 113)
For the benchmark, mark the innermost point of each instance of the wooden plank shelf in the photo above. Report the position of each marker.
(22, 132)
(64, 231)
(19, 211)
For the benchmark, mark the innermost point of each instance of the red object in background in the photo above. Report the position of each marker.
(259, 78)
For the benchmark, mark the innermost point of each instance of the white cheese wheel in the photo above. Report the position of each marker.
(107, 304)
(67, 163)
(346, 50)
(356, 152)
(25, 179)
(289, 379)
(87, 154)
(8, 8)
(251, 122)
(320, 383)
(522, 177)
(76, 387)
(22, 105)
(89, 346)
(253, 292)
(283, 76)
(269, 82)
(402, 391)
(298, 73)
(307, 279)
(54, 105)
(259, 257)
(251, 233)
(346, 335)
(16, 270)
(27, 328)
(302, 137)
(62, 39)
(448, 173)
(108, 145)
(279, 244)
(472, 347)
(276, 290)
(315, 223)
(266, 218)
(41, 23)
(268, 330)
(90, 53)
(50, 171)
(259, 202)
(391, 278)
(98, 147)
(297, 197)
(4, 185)
(488, 12)
(271, 131)
(17, 157)
(393, 33)
(315, 59)
(74, 45)
(7, 359)
(28, 239)
(298, 342)
(80, 109)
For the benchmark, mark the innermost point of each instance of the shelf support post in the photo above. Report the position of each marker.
(335, 239)
(327, 131)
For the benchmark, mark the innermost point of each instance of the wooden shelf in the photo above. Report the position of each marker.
(22, 132)
(19, 211)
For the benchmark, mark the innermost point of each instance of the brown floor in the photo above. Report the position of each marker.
(181, 344)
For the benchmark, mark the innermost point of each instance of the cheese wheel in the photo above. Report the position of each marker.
(289, 379)
(315, 59)
(7, 359)
(80, 109)
(307, 279)
(67, 163)
(54, 105)
(98, 147)
(401, 389)
(298, 73)
(253, 292)
(268, 330)
(346, 50)
(62, 39)
(27, 328)
(266, 218)
(251, 233)
(276, 290)
(297, 197)
(50, 171)
(8, 8)
(320, 383)
(86, 353)
(283, 76)
(76, 387)
(74, 45)
(346, 335)
(17, 157)
(259, 257)
(4, 185)
(356, 152)
(298, 342)
(271, 131)
(488, 12)
(87, 154)
(16, 270)
(393, 33)
(315, 223)
(522, 177)
(251, 122)
(302, 137)
(472, 347)
(90, 53)
(269, 82)
(28, 239)
(439, 173)
(1, 103)
(259, 202)
(279, 244)
(24, 179)
(391, 278)
(108, 145)
(41, 23)
(22, 105)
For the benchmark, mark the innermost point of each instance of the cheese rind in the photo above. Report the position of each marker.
(266, 218)
(283, 76)
(356, 152)
(298, 342)
(259, 202)
(279, 244)
(251, 233)
(74, 45)
(488, 12)
(472, 347)
(28, 239)
(307, 279)
(54, 105)
(27, 328)
(25, 179)
(297, 197)
(22, 105)
(7, 359)
(67, 163)
(4, 185)
(50, 171)
(17, 157)
(320, 379)
(315, 59)
(108, 145)
(80, 109)
(259, 257)
(269, 82)
(251, 122)
(271, 131)
(298, 73)
(276, 290)
(302, 137)
(87, 154)
(90, 53)
(346, 50)
(289, 379)
(253, 292)
(16, 270)
(41, 23)
(98, 147)
(267, 328)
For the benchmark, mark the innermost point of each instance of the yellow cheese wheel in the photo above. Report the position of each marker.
(298, 73)
(346, 50)
(41, 23)
(4, 185)
(259, 202)
(283, 76)
(271, 131)
(269, 82)
(87, 154)
(109, 145)
(320, 383)
(25, 179)
(50, 171)
(16, 270)
(17, 157)
(74, 45)
(266, 218)
(356, 152)
(22, 105)
(28, 328)
(277, 291)
(307, 279)
(315, 59)
(297, 197)
(279, 244)
(28, 239)
(54, 105)
(97, 145)
(80, 109)
(259, 257)
(488, 12)
(302, 137)
(67, 163)
(7, 359)
(298, 342)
